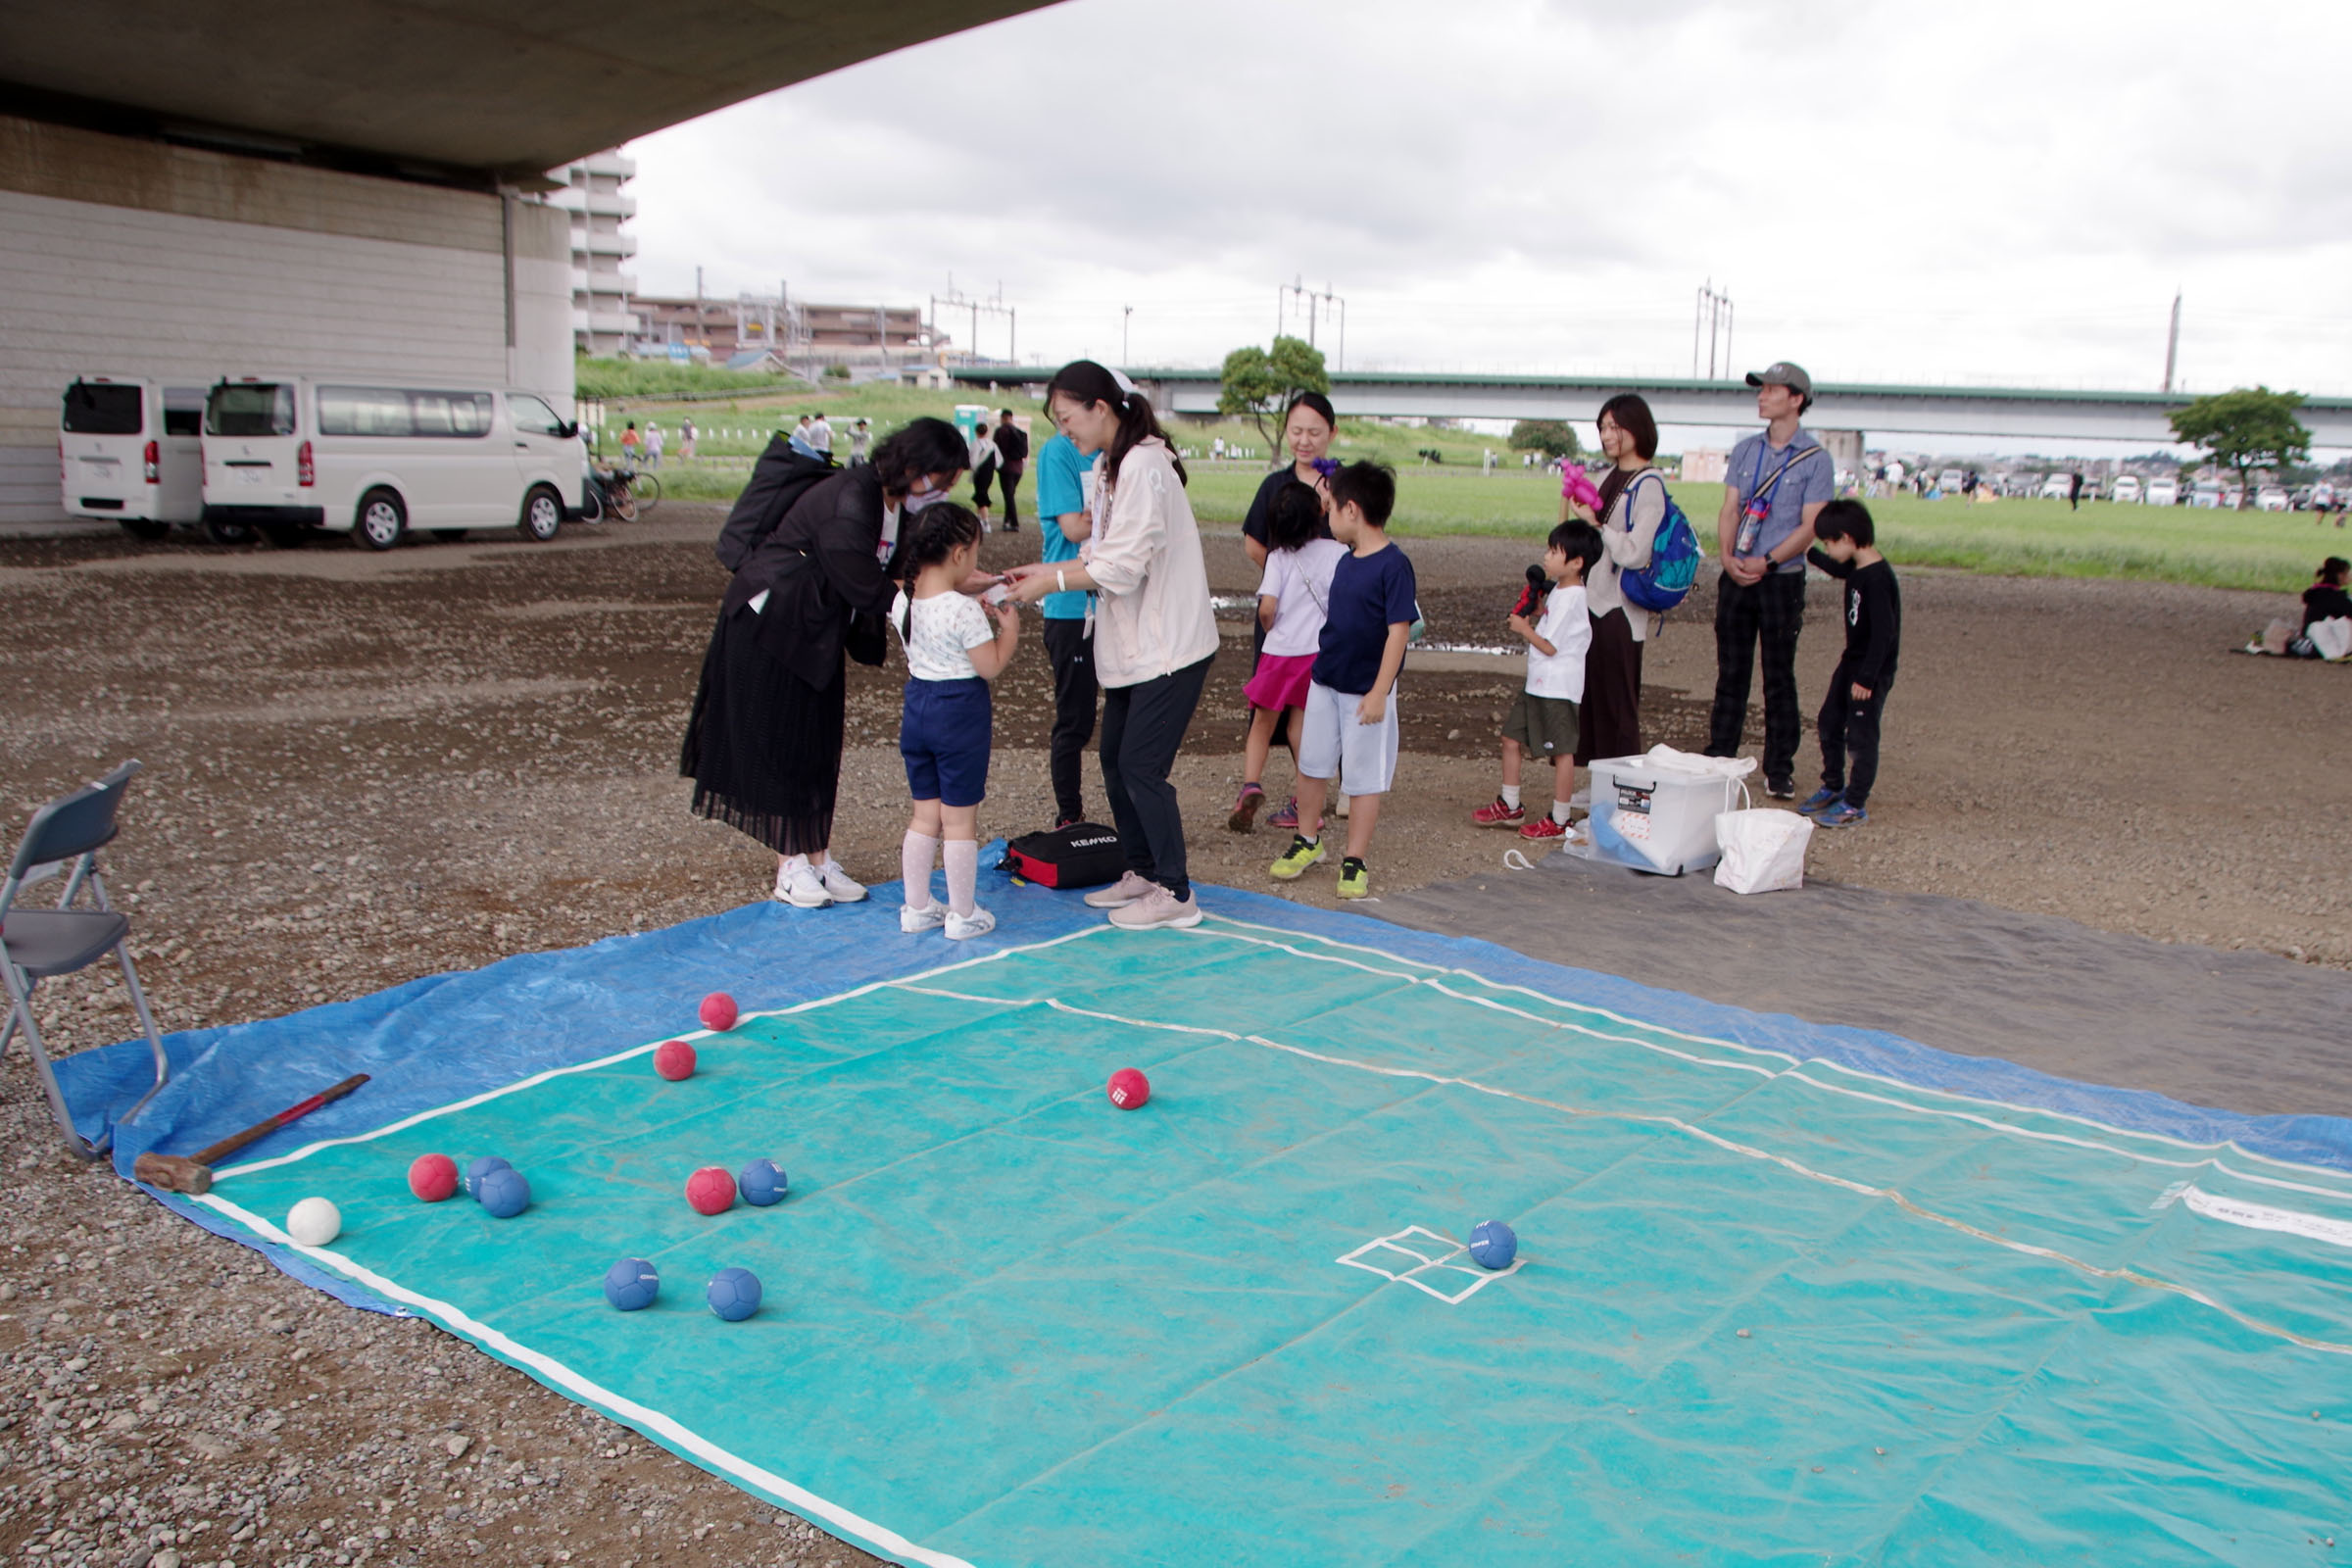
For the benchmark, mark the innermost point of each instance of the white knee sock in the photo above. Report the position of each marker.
(963, 875)
(1510, 795)
(915, 854)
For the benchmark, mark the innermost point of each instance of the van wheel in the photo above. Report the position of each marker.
(381, 520)
(223, 532)
(285, 535)
(542, 514)
(146, 528)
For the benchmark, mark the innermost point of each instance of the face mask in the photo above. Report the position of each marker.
(922, 499)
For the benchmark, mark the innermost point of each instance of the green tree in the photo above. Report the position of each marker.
(1554, 438)
(1261, 382)
(2246, 430)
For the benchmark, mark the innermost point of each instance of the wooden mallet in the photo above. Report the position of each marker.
(183, 1173)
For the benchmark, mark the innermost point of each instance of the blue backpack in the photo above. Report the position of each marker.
(1673, 557)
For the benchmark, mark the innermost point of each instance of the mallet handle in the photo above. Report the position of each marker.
(228, 1146)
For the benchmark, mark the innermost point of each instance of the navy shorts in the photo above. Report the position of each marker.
(943, 734)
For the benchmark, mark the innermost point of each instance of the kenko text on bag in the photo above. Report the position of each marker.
(1083, 854)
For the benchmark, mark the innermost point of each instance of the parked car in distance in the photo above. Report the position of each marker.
(128, 449)
(2271, 498)
(288, 455)
(2162, 493)
(2125, 489)
(2056, 487)
(2206, 494)
(1950, 480)
(2233, 495)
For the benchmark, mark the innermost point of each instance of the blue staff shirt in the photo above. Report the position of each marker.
(1810, 479)
(1061, 474)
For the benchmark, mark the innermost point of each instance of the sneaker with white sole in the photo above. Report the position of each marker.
(964, 927)
(930, 917)
(1125, 891)
(842, 888)
(1156, 909)
(799, 886)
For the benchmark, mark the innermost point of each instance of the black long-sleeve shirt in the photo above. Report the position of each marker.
(1873, 618)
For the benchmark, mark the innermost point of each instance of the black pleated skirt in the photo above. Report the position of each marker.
(1608, 721)
(763, 746)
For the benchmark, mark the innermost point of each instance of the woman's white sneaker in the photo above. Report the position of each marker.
(964, 927)
(1156, 909)
(798, 885)
(838, 883)
(1125, 891)
(930, 917)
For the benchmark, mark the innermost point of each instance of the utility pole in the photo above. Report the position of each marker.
(2172, 343)
(1712, 320)
(1314, 302)
(1126, 319)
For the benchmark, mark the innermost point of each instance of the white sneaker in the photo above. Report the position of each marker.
(1156, 909)
(798, 885)
(964, 927)
(840, 884)
(929, 917)
(1126, 890)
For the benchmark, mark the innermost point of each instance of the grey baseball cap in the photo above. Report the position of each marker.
(1783, 373)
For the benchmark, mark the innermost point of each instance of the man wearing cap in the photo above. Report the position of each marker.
(1775, 485)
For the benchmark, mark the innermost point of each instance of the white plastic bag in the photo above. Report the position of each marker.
(1763, 852)
(2332, 637)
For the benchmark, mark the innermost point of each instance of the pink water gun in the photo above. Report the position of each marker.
(1576, 487)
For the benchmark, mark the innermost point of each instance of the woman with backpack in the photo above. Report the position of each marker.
(1632, 503)
(809, 546)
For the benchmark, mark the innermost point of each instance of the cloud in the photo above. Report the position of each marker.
(1988, 192)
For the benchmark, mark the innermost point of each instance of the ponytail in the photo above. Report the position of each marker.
(1085, 382)
(929, 538)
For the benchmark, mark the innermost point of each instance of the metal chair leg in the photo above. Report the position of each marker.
(155, 1037)
(19, 998)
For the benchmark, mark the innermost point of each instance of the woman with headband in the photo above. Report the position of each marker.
(1155, 631)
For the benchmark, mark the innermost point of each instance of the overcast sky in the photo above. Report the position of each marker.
(1994, 193)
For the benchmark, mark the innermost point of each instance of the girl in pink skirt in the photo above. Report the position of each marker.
(1291, 603)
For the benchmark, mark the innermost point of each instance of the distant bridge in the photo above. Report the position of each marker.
(2008, 412)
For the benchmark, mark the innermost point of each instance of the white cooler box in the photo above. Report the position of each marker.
(1658, 813)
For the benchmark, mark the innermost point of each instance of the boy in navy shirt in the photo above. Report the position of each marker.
(1847, 548)
(1350, 723)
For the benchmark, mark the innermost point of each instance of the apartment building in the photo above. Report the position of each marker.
(605, 313)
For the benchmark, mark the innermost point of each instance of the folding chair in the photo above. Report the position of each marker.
(40, 943)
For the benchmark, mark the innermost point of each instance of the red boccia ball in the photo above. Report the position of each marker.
(673, 1060)
(1129, 1088)
(433, 1177)
(718, 1011)
(710, 1189)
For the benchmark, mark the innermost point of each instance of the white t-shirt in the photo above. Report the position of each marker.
(940, 633)
(1567, 626)
(821, 436)
(1299, 581)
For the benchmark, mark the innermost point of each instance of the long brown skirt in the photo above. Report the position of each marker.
(1608, 722)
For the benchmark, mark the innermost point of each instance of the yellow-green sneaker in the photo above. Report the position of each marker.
(1302, 852)
(1356, 881)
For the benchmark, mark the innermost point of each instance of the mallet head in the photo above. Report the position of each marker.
(174, 1173)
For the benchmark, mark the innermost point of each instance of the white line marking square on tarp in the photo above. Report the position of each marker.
(1419, 1243)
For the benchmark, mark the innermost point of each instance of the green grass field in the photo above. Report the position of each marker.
(2270, 552)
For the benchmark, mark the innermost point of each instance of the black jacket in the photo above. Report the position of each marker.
(1013, 448)
(1873, 618)
(816, 562)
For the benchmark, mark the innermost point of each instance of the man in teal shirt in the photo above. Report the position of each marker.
(1066, 482)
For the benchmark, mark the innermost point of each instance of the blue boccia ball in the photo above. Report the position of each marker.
(762, 1183)
(734, 1293)
(480, 1169)
(504, 1193)
(632, 1284)
(1494, 1244)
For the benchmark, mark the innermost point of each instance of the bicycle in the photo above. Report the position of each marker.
(619, 492)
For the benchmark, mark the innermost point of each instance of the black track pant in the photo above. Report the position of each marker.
(1009, 480)
(1766, 615)
(1071, 653)
(1141, 727)
(1850, 736)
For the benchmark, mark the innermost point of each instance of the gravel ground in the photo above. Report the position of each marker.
(366, 768)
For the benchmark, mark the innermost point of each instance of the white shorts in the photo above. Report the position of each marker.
(1333, 740)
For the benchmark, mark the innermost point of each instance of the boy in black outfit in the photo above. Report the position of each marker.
(1845, 548)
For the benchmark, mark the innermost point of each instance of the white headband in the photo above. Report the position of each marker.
(1126, 388)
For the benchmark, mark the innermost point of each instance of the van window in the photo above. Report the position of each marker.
(532, 416)
(184, 410)
(451, 412)
(364, 411)
(250, 408)
(99, 409)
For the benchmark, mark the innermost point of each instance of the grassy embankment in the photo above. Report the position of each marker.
(2264, 551)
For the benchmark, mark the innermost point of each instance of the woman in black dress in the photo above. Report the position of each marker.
(812, 582)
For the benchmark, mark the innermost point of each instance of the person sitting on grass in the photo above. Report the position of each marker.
(1292, 597)
(1846, 548)
(1350, 718)
(1542, 721)
(2324, 601)
(952, 652)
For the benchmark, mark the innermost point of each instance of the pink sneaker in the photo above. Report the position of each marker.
(1156, 909)
(1125, 891)
(1244, 809)
(1495, 813)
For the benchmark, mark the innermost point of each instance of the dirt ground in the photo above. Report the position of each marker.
(363, 768)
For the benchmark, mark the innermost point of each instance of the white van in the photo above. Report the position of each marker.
(2125, 489)
(290, 454)
(2163, 493)
(128, 449)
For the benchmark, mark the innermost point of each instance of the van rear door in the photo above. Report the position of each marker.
(251, 446)
(103, 454)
